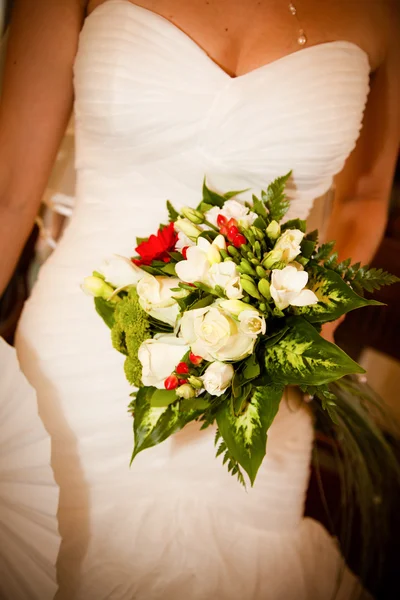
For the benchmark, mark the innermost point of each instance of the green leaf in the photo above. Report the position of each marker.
(161, 398)
(246, 436)
(259, 208)
(153, 425)
(260, 223)
(106, 311)
(303, 357)
(374, 279)
(172, 213)
(251, 368)
(307, 248)
(335, 297)
(202, 303)
(169, 269)
(295, 224)
(324, 251)
(234, 193)
(240, 398)
(275, 198)
(140, 240)
(210, 197)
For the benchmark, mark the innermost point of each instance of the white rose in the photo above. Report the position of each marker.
(217, 377)
(226, 275)
(232, 209)
(252, 323)
(155, 297)
(287, 288)
(159, 357)
(120, 272)
(289, 244)
(215, 335)
(199, 260)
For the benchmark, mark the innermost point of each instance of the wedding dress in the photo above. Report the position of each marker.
(154, 115)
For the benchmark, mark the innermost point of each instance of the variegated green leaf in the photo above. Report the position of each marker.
(303, 357)
(154, 424)
(335, 297)
(246, 435)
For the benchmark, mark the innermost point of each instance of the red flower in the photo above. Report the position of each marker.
(171, 382)
(157, 246)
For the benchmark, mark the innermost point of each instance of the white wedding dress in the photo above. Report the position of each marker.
(154, 114)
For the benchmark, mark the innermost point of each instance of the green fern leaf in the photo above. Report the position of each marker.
(275, 198)
(374, 279)
(172, 213)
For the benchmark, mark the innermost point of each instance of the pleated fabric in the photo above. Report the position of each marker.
(154, 115)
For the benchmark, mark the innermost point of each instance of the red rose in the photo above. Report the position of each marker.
(157, 246)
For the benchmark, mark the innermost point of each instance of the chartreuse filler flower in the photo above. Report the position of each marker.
(219, 311)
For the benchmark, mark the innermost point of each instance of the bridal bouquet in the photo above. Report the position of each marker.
(219, 311)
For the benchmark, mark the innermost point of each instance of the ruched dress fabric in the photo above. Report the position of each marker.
(154, 115)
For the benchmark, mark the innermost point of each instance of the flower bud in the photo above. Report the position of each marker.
(185, 391)
(97, 287)
(273, 230)
(264, 288)
(250, 288)
(195, 216)
(247, 267)
(261, 272)
(258, 233)
(235, 307)
(186, 227)
(272, 258)
(233, 252)
(195, 382)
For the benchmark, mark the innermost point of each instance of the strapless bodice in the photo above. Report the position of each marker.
(151, 104)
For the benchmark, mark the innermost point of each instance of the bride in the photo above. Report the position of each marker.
(165, 93)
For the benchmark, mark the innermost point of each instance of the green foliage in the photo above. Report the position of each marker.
(131, 328)
(245, 435)
(324, 251)
(212, 198)
(154, 424)
(275, 198)
(232, 464)
(133, 371)
(295, 224)
(373, 279)
(327, 399)
(303, 357)
(106, 310)
(172, 213)
(335, 297)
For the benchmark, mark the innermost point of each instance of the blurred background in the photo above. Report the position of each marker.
(370, 336)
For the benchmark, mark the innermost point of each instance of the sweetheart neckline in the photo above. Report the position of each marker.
(211, 60)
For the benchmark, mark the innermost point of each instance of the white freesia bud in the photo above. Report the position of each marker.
(225, 275)
(199, 260)
(120, 272)
(273, 257)
(273, 230)
(252, 323)
(195, 216)
(187, 228)
(156, 297)
(215, 335)
(287, 288)
(235, 307)
(217, 378)
(159, 357)
(289, 244)
(185, 391)
(232, 209)
(97, 287)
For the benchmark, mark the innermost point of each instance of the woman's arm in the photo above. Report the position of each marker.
(363, 188)
(35, 107)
